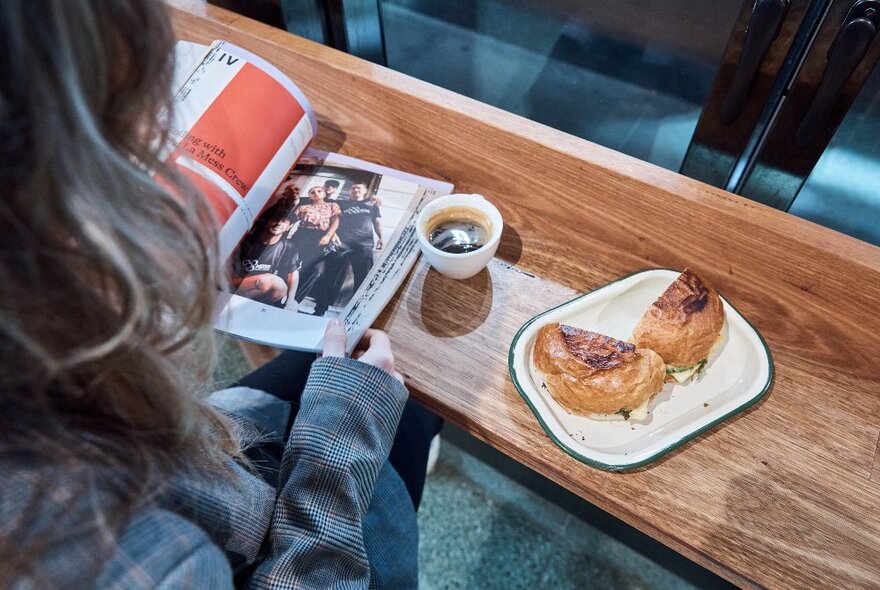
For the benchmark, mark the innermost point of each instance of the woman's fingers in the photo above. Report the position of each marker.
(334, 339)
(374, 338)
(373, 349)
(378, 350)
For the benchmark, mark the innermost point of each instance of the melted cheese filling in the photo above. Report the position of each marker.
(682, 375)
(639, 413)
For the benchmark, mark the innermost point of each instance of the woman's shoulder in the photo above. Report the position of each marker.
(68, 529)
(159, 548)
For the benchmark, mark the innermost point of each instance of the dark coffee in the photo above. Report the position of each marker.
(458, 230)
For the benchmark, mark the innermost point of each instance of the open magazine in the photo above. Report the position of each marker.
(307, 235)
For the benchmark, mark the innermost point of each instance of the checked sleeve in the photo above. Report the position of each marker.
(341, 437)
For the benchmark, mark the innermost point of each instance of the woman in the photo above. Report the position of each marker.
(115, 472)
(318, 222)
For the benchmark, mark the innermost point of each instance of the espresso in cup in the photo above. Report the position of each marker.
(459, 234)
(459, 229)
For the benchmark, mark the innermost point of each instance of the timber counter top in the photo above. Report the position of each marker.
(786, 494)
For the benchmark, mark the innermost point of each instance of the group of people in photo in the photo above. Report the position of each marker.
(304, 244)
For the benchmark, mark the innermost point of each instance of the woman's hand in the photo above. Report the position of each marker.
(325, 240)
(373, 349)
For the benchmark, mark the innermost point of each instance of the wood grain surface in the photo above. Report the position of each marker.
(784, 495)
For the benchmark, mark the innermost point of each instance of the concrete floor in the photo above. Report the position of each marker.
(481, 529)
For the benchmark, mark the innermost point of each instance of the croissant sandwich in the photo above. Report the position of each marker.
(588, 373)
(682, 326)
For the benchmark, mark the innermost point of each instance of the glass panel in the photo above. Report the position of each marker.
(628, 74)
(758, 62)
(834, 70)
(842, 191)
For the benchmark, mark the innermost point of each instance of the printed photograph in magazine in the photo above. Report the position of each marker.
(335, 240)
(316, 242)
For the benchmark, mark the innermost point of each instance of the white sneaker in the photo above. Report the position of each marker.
(433, 453)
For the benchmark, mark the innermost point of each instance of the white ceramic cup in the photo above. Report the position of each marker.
(467, 264)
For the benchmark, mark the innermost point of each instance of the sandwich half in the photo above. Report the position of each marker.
(682, 326)
(588, 373)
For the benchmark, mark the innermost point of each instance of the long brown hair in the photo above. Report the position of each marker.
(107, 275)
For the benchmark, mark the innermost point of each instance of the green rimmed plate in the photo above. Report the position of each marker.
(738, 374)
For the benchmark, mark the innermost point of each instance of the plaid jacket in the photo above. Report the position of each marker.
(340, 517)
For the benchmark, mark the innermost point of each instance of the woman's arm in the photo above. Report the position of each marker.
(341, 437)
(377, 227)
(331, 231)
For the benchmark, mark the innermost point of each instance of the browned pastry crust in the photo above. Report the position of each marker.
(588, 373)
(683, 324)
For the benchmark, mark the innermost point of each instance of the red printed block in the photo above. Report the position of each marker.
(243, 128)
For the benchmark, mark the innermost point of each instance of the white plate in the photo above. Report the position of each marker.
(738, 374)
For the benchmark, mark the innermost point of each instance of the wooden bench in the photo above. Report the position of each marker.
(785, 495)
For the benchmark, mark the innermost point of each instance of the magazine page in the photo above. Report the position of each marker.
(239, 125)
(336, 240)
(187, 57)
